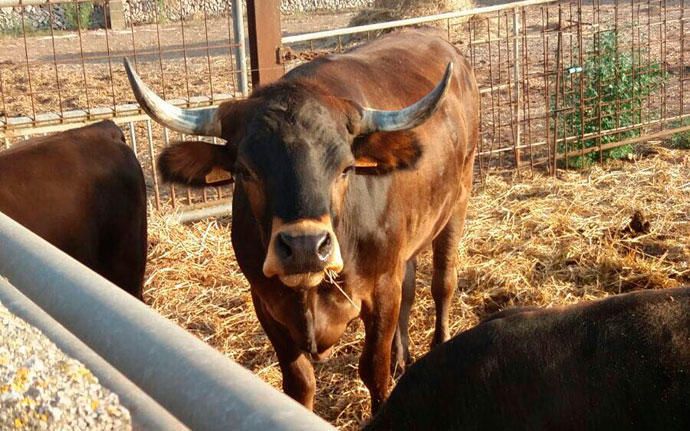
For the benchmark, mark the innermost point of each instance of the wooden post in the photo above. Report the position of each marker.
(263, 25)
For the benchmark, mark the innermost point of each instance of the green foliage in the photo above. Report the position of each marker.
(78, 15)
(13, 29)
(162, 15)
(681, 140)
(616, 86)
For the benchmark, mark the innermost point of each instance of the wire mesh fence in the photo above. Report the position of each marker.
(563, 83)
(57, 73)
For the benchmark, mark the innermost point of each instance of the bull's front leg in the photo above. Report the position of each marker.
(380, 316)
(299, 381)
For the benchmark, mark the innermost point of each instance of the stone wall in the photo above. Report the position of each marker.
(148, 11)
(64, 17)
(145, 11)
(297, 6)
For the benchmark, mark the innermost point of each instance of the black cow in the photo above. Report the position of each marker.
(620, 363)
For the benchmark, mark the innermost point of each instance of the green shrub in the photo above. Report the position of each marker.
(681, 140)
(13, 29)
(78, 15)
(615, 89)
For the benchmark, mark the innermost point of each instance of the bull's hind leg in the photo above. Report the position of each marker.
(445, 279)
(401, 342)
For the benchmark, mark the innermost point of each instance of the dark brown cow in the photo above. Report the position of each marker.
(326, 184)
(619, 363)
(83, 191)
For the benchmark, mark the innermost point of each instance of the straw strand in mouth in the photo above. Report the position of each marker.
(331, 277)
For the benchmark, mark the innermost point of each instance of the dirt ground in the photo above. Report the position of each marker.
(544, 241)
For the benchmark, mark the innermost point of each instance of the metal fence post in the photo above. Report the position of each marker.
(516, 79)
(240, 51)
(263, 22)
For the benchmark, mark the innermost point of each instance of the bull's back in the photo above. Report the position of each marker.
(621, 363)
(83, 191)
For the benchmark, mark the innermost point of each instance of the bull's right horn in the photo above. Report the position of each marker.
(374, 120)
(203, 121)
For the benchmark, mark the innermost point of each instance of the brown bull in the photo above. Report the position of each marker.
(622, 363)
(83, 191)
(327, 185)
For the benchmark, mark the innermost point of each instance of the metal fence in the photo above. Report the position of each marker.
(562, 82)
(52, 80)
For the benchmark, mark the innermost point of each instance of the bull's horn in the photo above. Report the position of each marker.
(189, 121)
(374, 120)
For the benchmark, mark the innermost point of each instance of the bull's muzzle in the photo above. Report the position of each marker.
(301, 252)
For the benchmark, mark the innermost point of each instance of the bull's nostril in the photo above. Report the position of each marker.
(324, 247)
(283, 245)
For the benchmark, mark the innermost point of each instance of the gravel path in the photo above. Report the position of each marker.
(43, 389)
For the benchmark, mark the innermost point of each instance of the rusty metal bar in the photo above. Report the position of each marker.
(559, 74)
(517, 65)
(263, 18)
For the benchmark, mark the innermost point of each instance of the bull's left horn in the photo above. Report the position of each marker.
(202, 121)
(374, 120)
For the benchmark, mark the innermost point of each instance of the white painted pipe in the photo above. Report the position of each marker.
(201, 387)
(305, 37)
(146, 413)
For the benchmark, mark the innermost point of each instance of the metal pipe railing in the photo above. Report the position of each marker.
(408, 21)
(201, 387)
(240, 50)
(146, 413)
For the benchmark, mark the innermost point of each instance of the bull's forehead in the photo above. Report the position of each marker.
(298, 133)
(298, 150)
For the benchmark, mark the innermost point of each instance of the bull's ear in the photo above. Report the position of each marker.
(383, 152)
(379, 152)
(197, 163)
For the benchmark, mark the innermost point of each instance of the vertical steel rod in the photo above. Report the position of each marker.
(240, 50)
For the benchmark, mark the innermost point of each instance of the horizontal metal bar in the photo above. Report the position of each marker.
(125, 113)
(21, 126)
(146, 413)
(204, 389)
(629, 141)
(219, 208)
(409, 21)
(590, 136)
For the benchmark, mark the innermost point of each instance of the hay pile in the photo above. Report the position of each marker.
(542, 241)
(389, 10)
